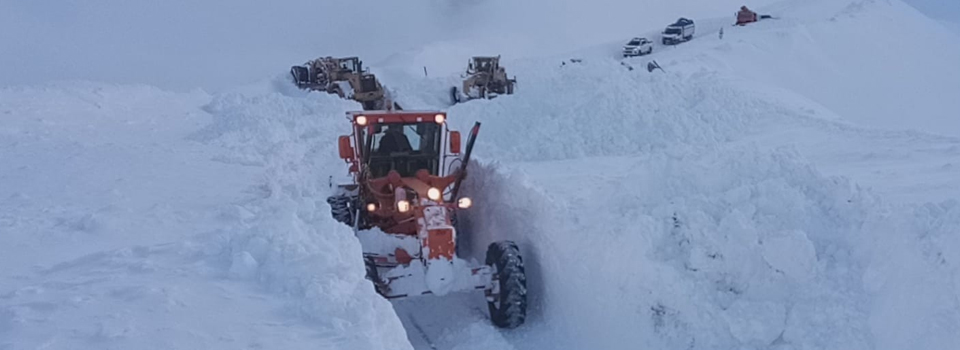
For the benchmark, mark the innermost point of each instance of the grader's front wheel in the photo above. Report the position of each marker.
(507, 299)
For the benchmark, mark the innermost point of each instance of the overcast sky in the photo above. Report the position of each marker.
(939, 9)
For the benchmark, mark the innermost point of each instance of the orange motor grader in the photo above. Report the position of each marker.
(406, 170)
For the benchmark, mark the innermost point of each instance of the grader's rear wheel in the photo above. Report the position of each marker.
(340, 209)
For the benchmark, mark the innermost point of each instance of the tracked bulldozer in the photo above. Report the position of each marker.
(485, 78)
(344, 77)
(406, 169)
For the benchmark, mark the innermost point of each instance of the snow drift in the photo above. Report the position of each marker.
(285, 237)
(119, 229)
(693, 208)
(681, 209)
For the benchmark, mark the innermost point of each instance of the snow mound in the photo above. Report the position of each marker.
(599, 108)
(668, 215)
(285, 238)
(118, 229)
(734, 248)
(869, 62)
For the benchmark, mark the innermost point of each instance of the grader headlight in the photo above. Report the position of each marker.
(371, 207)
(361, 120)
(433, 193)
(403, 206)
(439, 118)
(464, 203)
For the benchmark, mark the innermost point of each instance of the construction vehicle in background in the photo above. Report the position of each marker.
(677, 32)
(745, 16)
(406, 172)
(344, 77)
(485, 78)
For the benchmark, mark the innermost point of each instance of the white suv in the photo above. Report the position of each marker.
(638, 47)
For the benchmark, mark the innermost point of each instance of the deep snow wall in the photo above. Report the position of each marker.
(133, 217)
(285, 238)
(661, 219)
(733, 248)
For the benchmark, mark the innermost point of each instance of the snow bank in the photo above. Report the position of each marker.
(118, 229)
(870, 62)
(85, 164)
(914, 276)
(664, 219)
(285, 237)
(733, 248)
(600, 108)
(693, 254)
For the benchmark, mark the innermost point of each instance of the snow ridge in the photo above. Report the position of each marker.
(285, 238)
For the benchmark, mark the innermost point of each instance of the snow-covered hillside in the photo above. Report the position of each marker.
(218, 45)
(954, 26)
(120, 228)
(790, 186)
(697, 208)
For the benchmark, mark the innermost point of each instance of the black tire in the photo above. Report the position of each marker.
(454, 95)
(335, 89)
(508, 308)
(373, 274)
(340, 209)
(301, 76)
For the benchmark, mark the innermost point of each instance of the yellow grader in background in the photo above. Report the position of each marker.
(344, 77)
(485, 78)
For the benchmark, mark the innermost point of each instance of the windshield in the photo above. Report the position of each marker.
(672, 31)
(484, 65)
(405, 148)
(634, 42)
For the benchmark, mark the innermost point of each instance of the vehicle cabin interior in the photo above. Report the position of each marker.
(404, 147)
